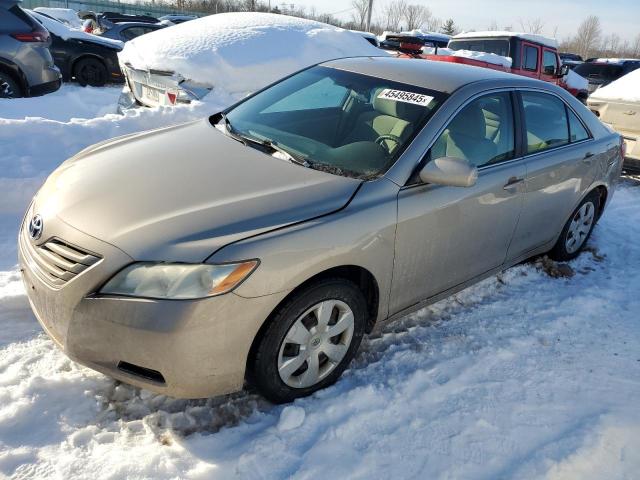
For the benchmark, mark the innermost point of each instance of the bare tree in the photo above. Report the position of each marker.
(393, 13)
(635, 47)
(588, 36)
(416, 15)
(534, 25)
(493, 26)
(359, 15)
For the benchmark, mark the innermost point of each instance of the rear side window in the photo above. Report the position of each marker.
(577, 131)
(530, 58)
(546, 121)
(549, 62)
(16, 21)
(482, 133)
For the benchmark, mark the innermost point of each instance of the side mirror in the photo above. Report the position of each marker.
(564, 70)
(451, 171)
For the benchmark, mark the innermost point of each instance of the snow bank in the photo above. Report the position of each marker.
(573, 80)
(626, 88)
(550, 42)
(66, 33)
(66, 15)
(242, 52)
(481, 56)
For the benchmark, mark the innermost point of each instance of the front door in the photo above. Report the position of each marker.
(448, 235)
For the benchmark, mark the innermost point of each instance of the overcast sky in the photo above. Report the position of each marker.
(617, 16)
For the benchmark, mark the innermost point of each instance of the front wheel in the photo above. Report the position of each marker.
(577, 230)
(310, 341)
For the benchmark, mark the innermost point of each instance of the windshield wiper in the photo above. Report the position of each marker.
(289, 156)
(271, 144)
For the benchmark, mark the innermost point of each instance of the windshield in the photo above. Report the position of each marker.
(333, 120)
(498, 46)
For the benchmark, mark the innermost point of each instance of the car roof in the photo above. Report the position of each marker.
(440, 76)
(123, 25)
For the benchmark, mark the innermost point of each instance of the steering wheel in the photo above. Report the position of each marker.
(387, 136)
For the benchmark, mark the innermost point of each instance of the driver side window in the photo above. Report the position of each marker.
(482, 133)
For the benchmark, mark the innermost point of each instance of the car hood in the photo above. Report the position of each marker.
(180, 193)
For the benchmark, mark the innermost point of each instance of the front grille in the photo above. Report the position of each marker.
(56, 262)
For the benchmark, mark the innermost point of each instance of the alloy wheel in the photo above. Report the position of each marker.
(315, 344)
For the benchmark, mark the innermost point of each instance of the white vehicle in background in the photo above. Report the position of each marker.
(234, 53)
(618, 105)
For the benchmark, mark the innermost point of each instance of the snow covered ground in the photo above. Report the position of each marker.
(526, 375)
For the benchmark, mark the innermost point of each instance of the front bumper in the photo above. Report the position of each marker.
(194, 349)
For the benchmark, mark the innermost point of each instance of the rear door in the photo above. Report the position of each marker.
(561, 161)
(449, 235)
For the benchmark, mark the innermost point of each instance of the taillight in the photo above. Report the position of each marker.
(623, 148)
(172, 97)
(36, 36)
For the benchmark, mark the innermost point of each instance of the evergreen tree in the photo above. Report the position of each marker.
(449, 27)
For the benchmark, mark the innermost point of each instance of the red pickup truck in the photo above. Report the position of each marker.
(531, 55)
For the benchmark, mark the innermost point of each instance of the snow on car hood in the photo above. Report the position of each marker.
(182, 192)
(243, 52)
(626, 88)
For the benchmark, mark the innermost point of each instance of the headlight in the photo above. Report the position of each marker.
(178, 280)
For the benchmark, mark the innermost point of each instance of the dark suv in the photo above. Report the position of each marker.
(601, 73)
(26, 65)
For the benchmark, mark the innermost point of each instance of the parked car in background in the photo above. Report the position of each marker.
(98, 23)
(602, 71)
(26, 66)
(571, 59)
(129, 30)
(86, 58)
(190, 275)
(65, 15)
(176, 19)
(393, 41)
(618, 105)
(185, 62)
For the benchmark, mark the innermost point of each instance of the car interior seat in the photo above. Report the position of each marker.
(387, 117)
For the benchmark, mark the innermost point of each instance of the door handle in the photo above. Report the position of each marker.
(588, 157)
(513, 183)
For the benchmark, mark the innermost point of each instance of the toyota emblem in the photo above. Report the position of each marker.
(35, 227)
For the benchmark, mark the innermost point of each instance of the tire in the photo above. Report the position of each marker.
(291, 358)
(90, 71)
(9, 88)
(577, 230)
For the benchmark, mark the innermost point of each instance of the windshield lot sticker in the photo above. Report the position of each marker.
(406, 97)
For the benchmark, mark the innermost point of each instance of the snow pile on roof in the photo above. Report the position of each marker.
(549, 42)
(66, 15)
(573, 80)
(64, 32)
(480, 56)
(242, 52)
(626, 88)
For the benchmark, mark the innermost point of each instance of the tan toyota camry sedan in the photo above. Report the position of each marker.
(259, 245)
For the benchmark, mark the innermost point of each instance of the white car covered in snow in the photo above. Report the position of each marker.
(618, 105)
(234, 53)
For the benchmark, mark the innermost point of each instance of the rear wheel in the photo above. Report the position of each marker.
(577, 230)
(90, 71)
(310, 341)
(9, 88)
